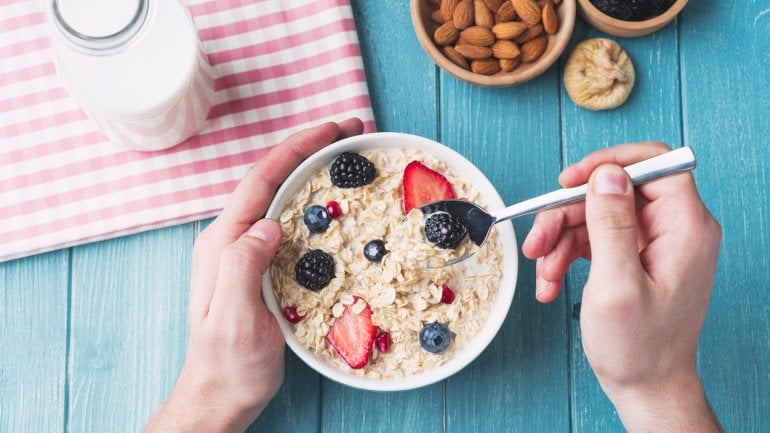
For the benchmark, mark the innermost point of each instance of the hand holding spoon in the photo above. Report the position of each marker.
(479, 222)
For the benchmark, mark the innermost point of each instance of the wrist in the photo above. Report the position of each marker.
(673, 405)
(187, 410)
(214, 405)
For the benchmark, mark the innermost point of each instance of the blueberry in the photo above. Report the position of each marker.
(317, 219)
(435, 337)
(375, 250)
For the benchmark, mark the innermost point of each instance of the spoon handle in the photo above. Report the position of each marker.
(672, 162)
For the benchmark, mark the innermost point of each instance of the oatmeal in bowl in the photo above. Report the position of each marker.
(350, 286)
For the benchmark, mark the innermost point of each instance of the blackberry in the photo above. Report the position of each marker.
(444, 230)
(314, 270)
(632, 10)
(351, 170)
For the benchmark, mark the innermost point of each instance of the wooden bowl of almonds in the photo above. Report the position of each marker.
(494, 43)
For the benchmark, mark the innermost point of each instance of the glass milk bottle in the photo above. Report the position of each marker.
(136, 66)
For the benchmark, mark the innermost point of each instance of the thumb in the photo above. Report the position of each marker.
(243, 263)
(611, 223)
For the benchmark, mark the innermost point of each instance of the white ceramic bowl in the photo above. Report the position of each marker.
(461, 167)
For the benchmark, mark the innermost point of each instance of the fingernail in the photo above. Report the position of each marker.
(265, 230)
(609, 180)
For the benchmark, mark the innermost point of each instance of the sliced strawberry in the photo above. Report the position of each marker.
(352, 335)
(423, 185)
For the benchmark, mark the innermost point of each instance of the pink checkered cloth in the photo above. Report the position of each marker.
(281, 66)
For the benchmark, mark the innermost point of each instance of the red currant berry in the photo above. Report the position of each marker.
(290, 313)
(334, 209)
(383, 342)
(447, 295)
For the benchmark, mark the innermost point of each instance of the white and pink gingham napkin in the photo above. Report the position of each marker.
(281, 66)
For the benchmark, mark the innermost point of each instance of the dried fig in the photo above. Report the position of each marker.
(599, 74)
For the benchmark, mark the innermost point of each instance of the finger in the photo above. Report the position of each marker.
(622, 155)
(545, 291)
(551, 269)
(251, 198)
(681, 185)
(611, 224)
(548, 226)
(572, 244)
(241, 267)
(693, 221)
(351, 127)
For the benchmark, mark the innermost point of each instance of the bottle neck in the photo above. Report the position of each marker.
(99, 44)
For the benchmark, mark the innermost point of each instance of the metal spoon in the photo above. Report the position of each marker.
(479, 222)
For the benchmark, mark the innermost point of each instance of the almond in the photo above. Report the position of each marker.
(505, 50)
(506, 13)
(550, 20)
(478, 35)
(533, 49)
(448, 8)
(531, 33)
(509, 30)
(455, 57)
(493, 5)
(528, 10)
(484, 17)
(446, 33)
(473, 52)
(485, 66)
(437, 17)
(463, 14)
(508, 65)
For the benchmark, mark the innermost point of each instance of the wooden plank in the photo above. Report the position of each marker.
(402, 84)
(519, 384)
(726, 111)
(33, 337)
(400, 75)
(128, 327)
(652, 112)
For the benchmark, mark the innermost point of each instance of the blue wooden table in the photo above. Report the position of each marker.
(93, 337)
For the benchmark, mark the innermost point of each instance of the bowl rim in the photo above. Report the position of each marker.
(499, 79)
(647, 24)
(509, 253)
